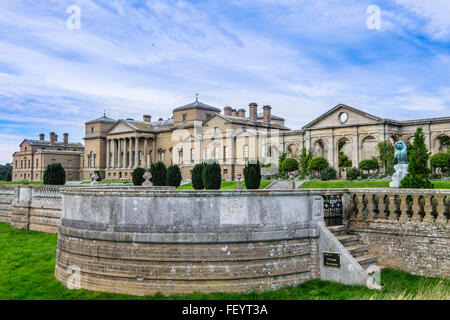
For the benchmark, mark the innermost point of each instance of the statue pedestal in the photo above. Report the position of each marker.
(401, 170)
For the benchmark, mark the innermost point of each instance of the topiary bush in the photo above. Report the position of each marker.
(353, 174)
(174, 176)
(418, 171)
(252, 175)
(197, 176)
(329, 173)
(289, 164)
(8, 176)
(317, 164)
(440, 161)
(137, 176)
(212, 177)
(369, 165)
(159, 174)
(55, 175)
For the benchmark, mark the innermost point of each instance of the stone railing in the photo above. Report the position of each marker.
(407, 229)
(46, 193)
(402, 205)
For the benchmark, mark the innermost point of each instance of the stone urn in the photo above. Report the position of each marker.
(94, 178)
(239, 183)
(147, 176)
(291, 183)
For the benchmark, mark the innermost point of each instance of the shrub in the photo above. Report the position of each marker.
(252, 175)
(159, 174)
(386, 153)
(329, 173)
(197, 177)
(418, 171)
(212, 178)
(353, 174)
(8, 176)
(289, 164)
(318, 164)
(55, 175)
(281, 158)
(369, 165)
(305, 159)
(138, 176)
(174, 176)
(440, 161)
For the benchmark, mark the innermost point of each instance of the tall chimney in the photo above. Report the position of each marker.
(253, 108)
(267, 115)
(52, 138)
(234, 113)
(56, 138)
(241, 113)
(66, 138)
(147, 118)
(227, 111)
(42, 137)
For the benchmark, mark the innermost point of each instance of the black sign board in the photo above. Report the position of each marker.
(332, 259)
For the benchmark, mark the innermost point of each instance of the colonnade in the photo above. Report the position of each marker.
(125, 153)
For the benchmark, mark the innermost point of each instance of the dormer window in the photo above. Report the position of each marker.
(92, 131)
(184, 117)
(208, 116)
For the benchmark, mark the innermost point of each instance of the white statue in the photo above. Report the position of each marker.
(400, 164)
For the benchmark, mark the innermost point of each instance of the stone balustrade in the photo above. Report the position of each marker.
(404, 205)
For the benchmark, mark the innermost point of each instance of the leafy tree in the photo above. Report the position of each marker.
(8, 176)
(281, 158)
(329, 173)
(418, 171)
(317, 164)
(353, 174)
(368, 165)
(197, 176)
(252, 175)
(289, 164)
(441, 161)
(159, 174)
(212, 177)
(305, 158)
(386, 153)
(138, 176)
(4, 170)
(174, 176)
(343, 160)
(55, 175)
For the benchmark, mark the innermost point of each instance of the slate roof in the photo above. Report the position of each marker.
(274, 117)
(198, 105)
(246, 121)
(56, 144)
(103, 119)
(149, 126)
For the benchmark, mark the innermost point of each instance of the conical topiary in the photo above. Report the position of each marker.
(173, 176)
(212, 177)
(197, 177)
(159, 174)
(252, 175)
(55, 175)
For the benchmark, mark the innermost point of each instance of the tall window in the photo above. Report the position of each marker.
(140, 158)
(69, 164)
(161, 156)
(151, 156)
(184, 117)
(29, 163)
(180, 157)
(225, 154)
(91, 160)
(216, 153)
(207, 155)
(53, 161)
(21, 164)
(216, 131)
(37, 163)
(246, 153)
(192, 155)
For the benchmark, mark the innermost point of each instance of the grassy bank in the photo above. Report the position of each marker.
(362, 184)
(27, 262)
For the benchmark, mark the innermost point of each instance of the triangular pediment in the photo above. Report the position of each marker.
(342, 115)
(121, 127)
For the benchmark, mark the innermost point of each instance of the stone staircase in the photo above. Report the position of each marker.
(354, 246)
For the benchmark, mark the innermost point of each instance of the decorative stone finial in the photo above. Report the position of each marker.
(147, 176)
(94, 177)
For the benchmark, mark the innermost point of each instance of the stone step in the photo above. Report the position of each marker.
(366, 260)
(358, 250)
(338, 230)
(348, 240)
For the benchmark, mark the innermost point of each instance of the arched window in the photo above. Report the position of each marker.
(91, 160)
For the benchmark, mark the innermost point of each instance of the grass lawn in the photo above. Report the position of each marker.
(227, 185)
(21, 182)
(361, 184)
(27, 261)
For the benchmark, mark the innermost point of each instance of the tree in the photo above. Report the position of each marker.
(440, 161)
(386, 153)
(212, 177)
(197, 176)
(353, 174)
(138, 176)
(281, 158)
(289, 164)
(317, 164)
(4, 170)
(252, 175)
(159, 174)
(418, 171)
(368, 165)
(55, 175)
(343, 160)
(329, 173)
(8, 176)
(174, 176)
(305, 158)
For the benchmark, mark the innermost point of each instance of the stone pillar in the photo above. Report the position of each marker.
(136, 152)
(331, 157)
(130, 154)
(355, 155)
(154, 150)
(124, 164)
(145, 152)
(113, 153)
(118, 153)
(107, 153)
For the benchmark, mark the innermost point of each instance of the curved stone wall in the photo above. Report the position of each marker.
(141, 241)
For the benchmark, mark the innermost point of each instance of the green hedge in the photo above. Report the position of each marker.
(197, 177)
(212, 177)
(138, 176)
(173, 176)
(252, 175)
(55, 175)
(159, 174)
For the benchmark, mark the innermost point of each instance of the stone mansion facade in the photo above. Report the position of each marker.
(199, 133)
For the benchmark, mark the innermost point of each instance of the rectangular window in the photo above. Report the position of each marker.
(184, 117)
(216, 131)
(16, 164)
(140, 159)
(21, 164)
(53, 161)
(180, 157)
(208, 116)
(161, 156)
(29, 163)
(69, 164)
(216, 153)
(207, 154)
(245, 153)
(151, 156)
(37, 163)
(192, 155)
(225, 154)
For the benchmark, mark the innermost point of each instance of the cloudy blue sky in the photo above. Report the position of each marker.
(134, 57)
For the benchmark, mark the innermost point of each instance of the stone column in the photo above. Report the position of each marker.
(145, 152)
(331, 147)
(355, 155)
(136, 153)
(118, 153)
(107, 153)
(154, 150)
(124, 164)
(113, 153)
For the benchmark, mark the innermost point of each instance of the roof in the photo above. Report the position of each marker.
(149, 126)
(103, 119)
(197, 105)
(274, 117)
(246, 121)
(56, 144)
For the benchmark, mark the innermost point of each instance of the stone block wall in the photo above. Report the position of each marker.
(7, 195)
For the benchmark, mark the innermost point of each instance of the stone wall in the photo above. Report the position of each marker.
(405, 229)
(141, 241)
(7, 194)
(36, 208)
